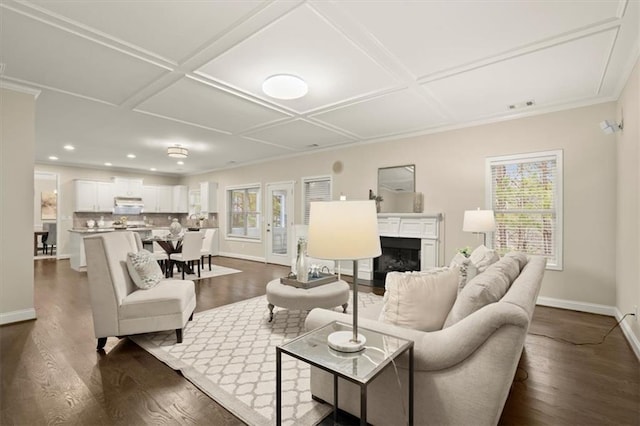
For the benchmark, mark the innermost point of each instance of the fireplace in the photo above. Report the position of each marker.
(398, 254)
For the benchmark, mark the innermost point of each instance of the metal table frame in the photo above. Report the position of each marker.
(336, 374)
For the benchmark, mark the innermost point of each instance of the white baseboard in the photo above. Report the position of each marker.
(17, 316)
(633, 340)
(243, 256)
(63, 256)
(592, 308)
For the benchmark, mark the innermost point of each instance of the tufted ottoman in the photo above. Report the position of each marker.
(324, 296)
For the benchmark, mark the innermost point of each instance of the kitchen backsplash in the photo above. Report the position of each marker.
(158, 220)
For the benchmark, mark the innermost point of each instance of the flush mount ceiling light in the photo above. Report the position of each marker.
(177, 151)
(285, 86)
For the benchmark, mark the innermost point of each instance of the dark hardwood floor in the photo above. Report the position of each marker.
(51, 374)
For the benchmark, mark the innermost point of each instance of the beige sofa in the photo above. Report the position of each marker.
(463, 372)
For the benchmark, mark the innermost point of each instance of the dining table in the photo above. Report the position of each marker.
(170, 244)
(36, 234)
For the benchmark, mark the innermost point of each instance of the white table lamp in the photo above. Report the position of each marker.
(345, 230)
(479, 221)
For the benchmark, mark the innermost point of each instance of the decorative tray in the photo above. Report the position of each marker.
(313, 282)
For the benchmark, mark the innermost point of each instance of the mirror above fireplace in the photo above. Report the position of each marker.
(396, 186)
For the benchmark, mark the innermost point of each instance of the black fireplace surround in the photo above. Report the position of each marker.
(398, 254)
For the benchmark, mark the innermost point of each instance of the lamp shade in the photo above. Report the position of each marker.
(479, 221)
(343, 230)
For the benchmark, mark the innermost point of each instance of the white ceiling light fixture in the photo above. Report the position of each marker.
(285, 86)
(131, 156)
(180, 163)
(53, 157)
(69, 147)
(108, 164)
(177, 151)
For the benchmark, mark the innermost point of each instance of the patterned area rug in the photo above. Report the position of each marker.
(215, 271)
(229, 353)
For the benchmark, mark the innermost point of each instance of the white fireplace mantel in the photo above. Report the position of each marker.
(425, 226)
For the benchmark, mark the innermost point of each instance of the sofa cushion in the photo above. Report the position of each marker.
(467, 269)
(482, 257)
(144, 269)
(487, 287)
(509, 266)
(419, 300)
(520, 257)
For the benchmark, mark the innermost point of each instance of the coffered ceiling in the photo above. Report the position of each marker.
(120, 77)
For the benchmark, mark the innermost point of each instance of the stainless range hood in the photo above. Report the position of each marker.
(128, 205)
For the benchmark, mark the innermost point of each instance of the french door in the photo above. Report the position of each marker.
(279, 222)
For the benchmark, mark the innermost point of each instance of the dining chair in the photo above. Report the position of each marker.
(207, 246)
(159, 254)
(49, 240)
(191, 246)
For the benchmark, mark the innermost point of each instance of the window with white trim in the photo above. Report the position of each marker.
(314, 189)
(243, 212)
(525, 193)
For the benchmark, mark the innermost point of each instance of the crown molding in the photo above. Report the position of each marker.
(4, 84)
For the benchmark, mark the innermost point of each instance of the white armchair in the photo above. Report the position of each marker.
(119, 307)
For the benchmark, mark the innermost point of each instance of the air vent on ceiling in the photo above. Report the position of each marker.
(524, 104)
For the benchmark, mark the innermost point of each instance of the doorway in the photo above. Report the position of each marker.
(45, 215)
(279, 223)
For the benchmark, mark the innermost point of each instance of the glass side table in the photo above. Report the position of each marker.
(358, 367)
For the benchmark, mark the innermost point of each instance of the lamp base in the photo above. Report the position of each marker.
(342, 341)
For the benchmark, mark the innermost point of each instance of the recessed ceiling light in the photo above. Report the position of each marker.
(53, 157)
(285, 86)
(153, 169)
(108, 164)
(131, 156)
(69, 147)
(180, 163)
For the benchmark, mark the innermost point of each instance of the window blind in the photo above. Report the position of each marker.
(315, 189)
(525, 195)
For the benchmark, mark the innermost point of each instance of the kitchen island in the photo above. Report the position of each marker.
(76, 242)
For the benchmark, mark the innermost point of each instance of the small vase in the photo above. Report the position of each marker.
(302, 262)
(175, 228)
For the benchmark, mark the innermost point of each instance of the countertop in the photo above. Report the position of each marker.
(133, 228)
(96, 230)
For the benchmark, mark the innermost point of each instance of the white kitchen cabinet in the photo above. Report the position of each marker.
(125, 187)
(150, 199)
(158, 199)
(209, 197)
(165, 199)
(93, 196)
(180, 199)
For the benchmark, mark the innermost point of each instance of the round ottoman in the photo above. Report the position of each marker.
(290, 297)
